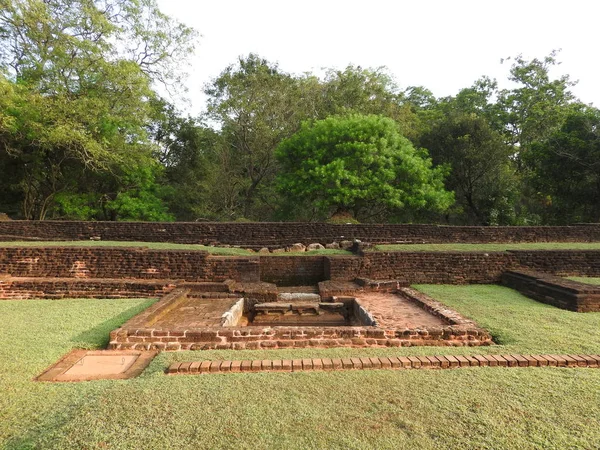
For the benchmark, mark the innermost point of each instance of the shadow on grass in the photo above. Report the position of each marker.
(98, 336)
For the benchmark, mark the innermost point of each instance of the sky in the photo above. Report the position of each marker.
(441, 45)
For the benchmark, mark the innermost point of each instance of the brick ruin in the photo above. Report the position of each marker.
(222, 290)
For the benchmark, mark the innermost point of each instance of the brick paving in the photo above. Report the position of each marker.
(391, 362)
(394, 310)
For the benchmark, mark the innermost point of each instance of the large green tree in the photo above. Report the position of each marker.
(80, 76)
(360, 165)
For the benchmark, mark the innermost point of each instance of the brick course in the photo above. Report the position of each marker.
(387, 363)
(277, 234)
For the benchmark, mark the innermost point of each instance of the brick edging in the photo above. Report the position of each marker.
(400, 362)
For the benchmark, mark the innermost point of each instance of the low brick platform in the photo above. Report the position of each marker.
(553, 290)
(400, 362)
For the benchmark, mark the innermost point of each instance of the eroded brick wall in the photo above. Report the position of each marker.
(277, 234)
(81, 262)
(460, 267)
(292, 271)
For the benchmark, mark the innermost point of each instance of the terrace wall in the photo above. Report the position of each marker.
(556, 291)
(459, 267)
(119, 263)
(278, 234)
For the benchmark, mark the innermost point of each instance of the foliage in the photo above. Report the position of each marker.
(80, 75)
(481, 172)
(566, 169)
(357, 164)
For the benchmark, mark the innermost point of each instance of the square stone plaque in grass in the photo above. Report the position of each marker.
(85, 365)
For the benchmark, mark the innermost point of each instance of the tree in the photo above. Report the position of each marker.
(355, 164)
(567, 169)
(481, 174)
(255, 105)
(80, 75)
(538, 106)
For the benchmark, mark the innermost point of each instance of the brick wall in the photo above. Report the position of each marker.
(424, 267)
(556, 291)
(58, 288)
(561, 262)
(78, 262)
(292, 271)
(277, 234)
(459, 267)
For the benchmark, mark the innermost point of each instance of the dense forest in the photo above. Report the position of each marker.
(85, 134)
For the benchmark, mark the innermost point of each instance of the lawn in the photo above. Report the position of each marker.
(588, 280)
(485, 408)
(221, 251)
(457, 247)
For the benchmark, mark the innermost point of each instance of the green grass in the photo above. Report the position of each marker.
(588, 280)
(484, 408)
(222, 251)
(487, 247)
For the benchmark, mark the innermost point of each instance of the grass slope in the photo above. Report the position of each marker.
(457, 247)
(588, 280)
(486, 408)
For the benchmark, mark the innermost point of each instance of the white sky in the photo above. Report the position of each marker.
(441, 45)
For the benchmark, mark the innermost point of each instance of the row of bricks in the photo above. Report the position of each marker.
(393, 362)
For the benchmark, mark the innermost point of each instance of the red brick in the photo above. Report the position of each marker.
(531, 361)
(173, 368)
(317, 364)
(246, 365)
(195, 367)
(512, 362)
(453, 361)
(385, 362)
(492, 362)
(337, 363)
(395, 362)
(277, 365)
(236, 366)
(215, 366)
(375, 363)
(560, 361)
(540, 360)
(307, 364)
(464, 362)
(501, 361)
(424, 361)
(286, 365)
(296, 365)
(356, 363)
(551, 361)
(474, 362)
(347, 363)
(434, 362)
(366, 363)
(444, 363)
(482, 361)
(327, 364)
(414, 361)
(581, 362)
(520, 360)
(571, 362)
(266, 364)
(204, 366)
(406, 363)
(593, 361)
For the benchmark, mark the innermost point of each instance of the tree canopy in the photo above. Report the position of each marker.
(358, 164)
(84, 134)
